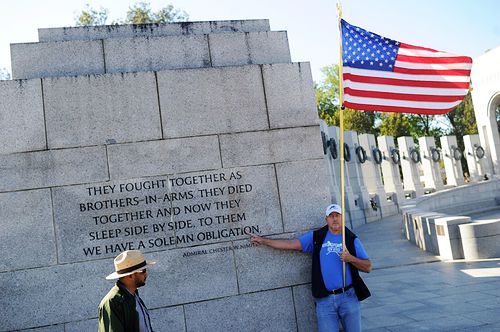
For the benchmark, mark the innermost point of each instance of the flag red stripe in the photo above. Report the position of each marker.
(380, 108)
(400, 96)
(424, 59)
(400, 82)
(440, 72)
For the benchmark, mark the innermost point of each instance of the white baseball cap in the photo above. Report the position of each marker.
(333, 208)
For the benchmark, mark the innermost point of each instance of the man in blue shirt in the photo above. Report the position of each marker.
(334, 302)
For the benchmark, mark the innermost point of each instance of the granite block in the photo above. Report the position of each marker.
(101, 109)
(448, 236)
(305, 309)
(53, 59)
(480, 240)
(275, 146)
(21, 113)
(211, 101)
(262, 268)
(29, 170)
(263, 311)
(235, 49)
(304, 194)
(168, 319)
(163, 157)
(26, 214)
(290, 95)
(190, 275)
(156, 53)
(159, 213)
(150, 30)
(64, 285)
(89, 325)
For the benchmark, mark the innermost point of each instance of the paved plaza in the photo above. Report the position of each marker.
(413, 290)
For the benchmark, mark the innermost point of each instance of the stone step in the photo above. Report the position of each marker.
(139, 54)
(64, 112)
(150, 30)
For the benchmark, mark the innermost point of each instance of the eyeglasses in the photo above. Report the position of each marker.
(142, 271)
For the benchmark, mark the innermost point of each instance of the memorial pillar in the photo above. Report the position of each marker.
(410, 161)
(390, 168)
(476, 159)
(452, 161)
(331, 155)
(354, 216)
(356, 177)
(430, 157)
(373, 176)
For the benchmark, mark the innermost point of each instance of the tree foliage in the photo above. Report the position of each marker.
(4, 74)
(142, 13)
(395, 124)
(91, 16)
(139, 13)
(462, 119)
(327, 102)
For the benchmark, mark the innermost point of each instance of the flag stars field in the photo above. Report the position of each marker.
(382, 74)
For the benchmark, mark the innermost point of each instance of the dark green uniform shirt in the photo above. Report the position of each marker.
(117, 311)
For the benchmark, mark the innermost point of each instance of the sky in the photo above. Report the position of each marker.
(464, 27)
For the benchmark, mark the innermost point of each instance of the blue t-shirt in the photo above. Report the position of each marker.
(329, 257)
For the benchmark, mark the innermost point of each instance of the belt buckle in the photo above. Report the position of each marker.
(338, 291)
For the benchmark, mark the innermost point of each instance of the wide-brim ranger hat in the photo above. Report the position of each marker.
(129, 262)
(333, 208)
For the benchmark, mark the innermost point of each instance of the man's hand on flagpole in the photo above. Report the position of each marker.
(364, 265)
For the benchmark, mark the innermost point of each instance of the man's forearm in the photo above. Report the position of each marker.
(364, 265)
(281, 244)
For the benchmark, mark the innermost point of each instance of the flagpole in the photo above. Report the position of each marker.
(341, 136)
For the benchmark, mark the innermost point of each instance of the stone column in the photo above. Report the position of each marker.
(452, 164)
(330, 160)
(356, 179)
(373, 176)
(355, 215)
(475, 155)
(390, 169)
(430, 157)
(485, 74)
(410, 161)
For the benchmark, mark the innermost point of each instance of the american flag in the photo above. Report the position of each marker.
(381, 74)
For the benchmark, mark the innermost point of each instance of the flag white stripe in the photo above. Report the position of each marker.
(405, 89)
(388, 74)
(441, 66)
(400, 103)
(416, 52)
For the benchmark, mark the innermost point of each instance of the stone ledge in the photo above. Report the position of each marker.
(139, 159)
(140, 54)
(42, 169)
(150, 30)
(274, 146)
(481, 239)
(22, 119)
(440, 211)
(35, 60)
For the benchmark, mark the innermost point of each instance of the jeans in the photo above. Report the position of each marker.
(343, 307)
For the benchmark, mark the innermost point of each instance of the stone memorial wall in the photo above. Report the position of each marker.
(178, 140)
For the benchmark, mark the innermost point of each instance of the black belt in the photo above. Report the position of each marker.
(340, 290)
